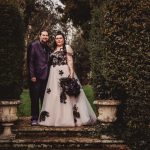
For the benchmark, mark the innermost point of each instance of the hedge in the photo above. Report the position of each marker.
(119, 43)
(11, 52)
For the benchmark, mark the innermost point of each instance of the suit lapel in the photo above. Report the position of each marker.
(41, 48)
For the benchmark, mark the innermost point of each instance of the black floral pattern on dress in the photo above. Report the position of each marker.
(76, 114)
(63, 97)
(61, 72)
(58, 58)
(48, 90)
(43, 115)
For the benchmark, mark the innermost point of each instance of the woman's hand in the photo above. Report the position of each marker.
(71, 75)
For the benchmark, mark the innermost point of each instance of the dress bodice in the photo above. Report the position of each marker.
(58, 58)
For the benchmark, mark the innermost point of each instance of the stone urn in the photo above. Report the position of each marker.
(8, 115)
(107, 111)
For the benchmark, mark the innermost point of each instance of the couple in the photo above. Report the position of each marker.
(46, 68)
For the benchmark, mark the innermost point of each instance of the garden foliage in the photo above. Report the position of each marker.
(119, 44)
(11, 52)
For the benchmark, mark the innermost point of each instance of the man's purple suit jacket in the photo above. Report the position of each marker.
(38, 61)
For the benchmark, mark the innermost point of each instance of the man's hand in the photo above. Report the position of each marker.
(33, 79)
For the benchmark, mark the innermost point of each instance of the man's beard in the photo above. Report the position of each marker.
(44, 42)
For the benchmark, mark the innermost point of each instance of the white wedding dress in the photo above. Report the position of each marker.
(76, 111)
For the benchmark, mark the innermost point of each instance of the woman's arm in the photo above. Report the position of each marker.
(70, 60)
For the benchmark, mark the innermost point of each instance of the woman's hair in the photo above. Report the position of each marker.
(59, 33)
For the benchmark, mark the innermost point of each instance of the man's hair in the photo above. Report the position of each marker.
(43, 30)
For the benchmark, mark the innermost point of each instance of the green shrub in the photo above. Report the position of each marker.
(11, 52)
(120, 58)
(81, 59)
(127, 35)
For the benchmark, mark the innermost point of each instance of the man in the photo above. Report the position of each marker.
(38, 59)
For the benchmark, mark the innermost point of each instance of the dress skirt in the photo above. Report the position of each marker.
(77, 111)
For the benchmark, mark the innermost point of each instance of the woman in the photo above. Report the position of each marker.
(57, 111)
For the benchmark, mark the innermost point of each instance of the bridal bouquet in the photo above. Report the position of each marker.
(70, 85)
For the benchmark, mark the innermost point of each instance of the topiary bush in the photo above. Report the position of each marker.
(105, 87)
(11, 52)
(127, 35)
(120, 64)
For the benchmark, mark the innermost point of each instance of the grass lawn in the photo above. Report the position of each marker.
(25, 107)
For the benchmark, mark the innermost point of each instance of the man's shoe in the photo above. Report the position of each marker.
(34, 122)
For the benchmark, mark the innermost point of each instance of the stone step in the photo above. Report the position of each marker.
(44, 143)
(23, 128)
(39, 131)
(50, 138)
